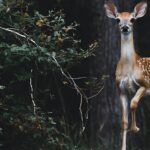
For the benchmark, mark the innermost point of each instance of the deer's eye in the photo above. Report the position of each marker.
(132, 20)
(118, 20)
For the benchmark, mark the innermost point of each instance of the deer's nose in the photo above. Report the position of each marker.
(125, 29)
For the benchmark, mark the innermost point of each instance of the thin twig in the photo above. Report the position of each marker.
(96, 93)
(80, 78)
(62, 71)
(81, 102)
(80, 92)
(32, 95)
(72, 82)
(19, 34)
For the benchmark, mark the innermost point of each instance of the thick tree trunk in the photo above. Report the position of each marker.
(105, 113)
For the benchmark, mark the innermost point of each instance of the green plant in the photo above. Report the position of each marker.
(35, 46)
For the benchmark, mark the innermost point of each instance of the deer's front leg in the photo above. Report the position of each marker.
(134, 103)
(124, 104)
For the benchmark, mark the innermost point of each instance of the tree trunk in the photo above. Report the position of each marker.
(105, 116)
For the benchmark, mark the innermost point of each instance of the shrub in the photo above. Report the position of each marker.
(33, 45)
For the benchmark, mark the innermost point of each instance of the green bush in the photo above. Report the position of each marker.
(34, 45)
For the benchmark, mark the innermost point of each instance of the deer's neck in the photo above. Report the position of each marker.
(127, 48)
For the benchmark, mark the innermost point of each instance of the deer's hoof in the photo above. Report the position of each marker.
(135, 129)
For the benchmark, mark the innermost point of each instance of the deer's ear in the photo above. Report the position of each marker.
(140, 10)
(111, 10)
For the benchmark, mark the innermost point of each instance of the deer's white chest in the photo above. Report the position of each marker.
(128, 83)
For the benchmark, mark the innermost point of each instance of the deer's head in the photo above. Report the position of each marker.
(125, 20)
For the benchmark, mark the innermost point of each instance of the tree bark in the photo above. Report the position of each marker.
(105, 114)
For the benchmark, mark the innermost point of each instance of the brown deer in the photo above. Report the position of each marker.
(133, 71)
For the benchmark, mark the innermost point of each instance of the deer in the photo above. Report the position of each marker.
(132, 71)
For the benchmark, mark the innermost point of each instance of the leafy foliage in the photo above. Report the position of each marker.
(34, 46)
(51, 35)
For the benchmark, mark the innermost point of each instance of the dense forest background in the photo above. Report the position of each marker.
(57, 71)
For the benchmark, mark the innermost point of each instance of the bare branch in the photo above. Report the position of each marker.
(83, 96)
(80, 78)
(72, 82)
(21, 35)
(81, 102)
(32, 95)
(96, 93)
